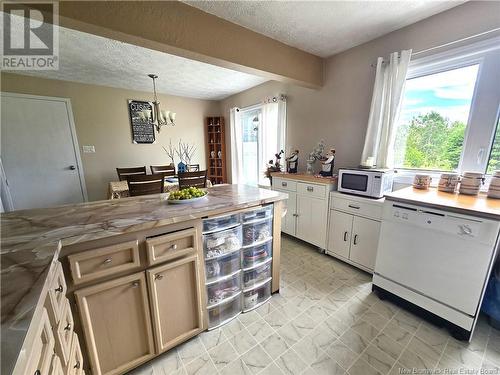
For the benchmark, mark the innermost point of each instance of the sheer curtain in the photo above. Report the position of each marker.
(272, 133)
(390, 80)
(236, 145)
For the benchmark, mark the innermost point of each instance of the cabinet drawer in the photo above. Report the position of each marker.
(172, 245)
(64, 334)
(284, 184)
(56, 367)
(110, 260)
(373, 211)
(56, 296)
(75, 364)
(42, 348)
(313, 190)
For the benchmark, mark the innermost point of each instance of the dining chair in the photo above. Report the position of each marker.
(192, 179)
(145, 184)
(167, 170)
(193, 167)
(123, 173)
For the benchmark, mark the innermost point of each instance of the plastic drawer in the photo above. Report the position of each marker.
(257, 232)
(224, 312)
(223, 266)
(226, 288)
(254, 255)
(219, 244)
(258, 214)
(253, 298)
(257, 275)
(220, 223)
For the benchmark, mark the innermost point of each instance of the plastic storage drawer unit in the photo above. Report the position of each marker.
(257, 275)
(224, 289)
(223, 313)
(257, 231)
(257, 215)
(255, 255)
(219, 244)
(256, 296)
(223, 266)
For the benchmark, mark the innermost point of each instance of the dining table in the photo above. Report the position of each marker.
(119, 189)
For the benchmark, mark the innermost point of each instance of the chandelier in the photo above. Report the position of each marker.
(160, 117)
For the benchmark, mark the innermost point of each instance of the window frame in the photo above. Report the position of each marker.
(480, 131)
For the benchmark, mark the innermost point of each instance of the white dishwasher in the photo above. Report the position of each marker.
(437, 260)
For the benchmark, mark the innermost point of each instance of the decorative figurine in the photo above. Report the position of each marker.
(327, 164)
(315, 155)
(274, 166)
(292, 162)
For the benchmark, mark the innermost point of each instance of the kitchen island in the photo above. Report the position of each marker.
(72, 251)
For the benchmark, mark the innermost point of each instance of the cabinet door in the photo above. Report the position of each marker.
(312, 220)
(42, 349)
(175, 293)
(339, 234)
(116, 323)
(364, 241)
(288, 222)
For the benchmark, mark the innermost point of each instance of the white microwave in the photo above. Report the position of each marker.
(373, 183)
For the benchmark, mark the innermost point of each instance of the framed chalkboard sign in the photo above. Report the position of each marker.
(141, 119)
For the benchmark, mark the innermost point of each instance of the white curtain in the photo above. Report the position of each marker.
(386, 101)
(272, 133)
(236, 145)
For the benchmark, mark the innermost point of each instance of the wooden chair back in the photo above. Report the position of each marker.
(167, 170)
(145, 184)
(192, 179)
(123, 173)
(193, 167)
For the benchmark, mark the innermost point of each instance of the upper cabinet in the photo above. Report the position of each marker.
(116, 323)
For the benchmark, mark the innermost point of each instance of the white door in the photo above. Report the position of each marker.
(339, 236)
(312, 220)
(288, 222)
(40, 152)
(364, 241)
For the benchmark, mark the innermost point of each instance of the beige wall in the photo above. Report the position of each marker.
(338, 112)
(101, 119)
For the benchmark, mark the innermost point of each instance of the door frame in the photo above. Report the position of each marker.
(72, 130)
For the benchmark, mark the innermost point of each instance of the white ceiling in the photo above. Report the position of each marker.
(324, 28)
(92, 59)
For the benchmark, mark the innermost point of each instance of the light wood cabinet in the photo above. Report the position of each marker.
(116, 323)
(56, 295)
(176, 305)
(75, 363)
(56, 367)
(64, 334)
(42, 348)
(171, 246)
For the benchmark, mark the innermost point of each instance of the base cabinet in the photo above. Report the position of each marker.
(175, 294)
(339, 238)
(117, 324)
(312, 220)
(364, 242)
(289, 220)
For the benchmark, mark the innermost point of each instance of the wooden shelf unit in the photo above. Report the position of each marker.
(216, 149)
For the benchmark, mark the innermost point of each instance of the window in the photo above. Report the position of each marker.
(494, 160)
(250, 122)
(449, 112)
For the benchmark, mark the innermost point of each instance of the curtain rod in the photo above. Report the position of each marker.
(449, 43)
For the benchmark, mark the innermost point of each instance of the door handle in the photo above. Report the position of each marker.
(345, 236)
(59, 289)
(355, 241)
(68, 327)
(310, 188)
(72, 167)
(158, 277)
(135, 284)
(284, 184)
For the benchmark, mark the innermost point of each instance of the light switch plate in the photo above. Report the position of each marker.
(88, 149)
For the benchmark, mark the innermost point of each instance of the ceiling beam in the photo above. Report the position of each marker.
(177, 28)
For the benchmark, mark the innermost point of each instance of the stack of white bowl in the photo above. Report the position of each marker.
(471, 183)
(494, 189)
(448, 182)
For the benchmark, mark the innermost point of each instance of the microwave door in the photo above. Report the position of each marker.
(356, 183)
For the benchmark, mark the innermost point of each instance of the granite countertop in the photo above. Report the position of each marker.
(31, 239)
(480, 205)
(306, 177)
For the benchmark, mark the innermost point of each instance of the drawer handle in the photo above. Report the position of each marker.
(284, 184)
(108, 260)
(355, 239)
(173, 247)
(310, 188)
(296, 215)
(59, 289)
(37, 372)
(465, 229)
(135, 284)
(158, 277)
(345, 236)
(68, 327)
(77, 365)
(353, 206)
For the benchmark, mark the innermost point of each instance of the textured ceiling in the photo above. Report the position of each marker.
(324, 28)
(91, 59)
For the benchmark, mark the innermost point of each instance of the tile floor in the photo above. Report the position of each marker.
(325, 320)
